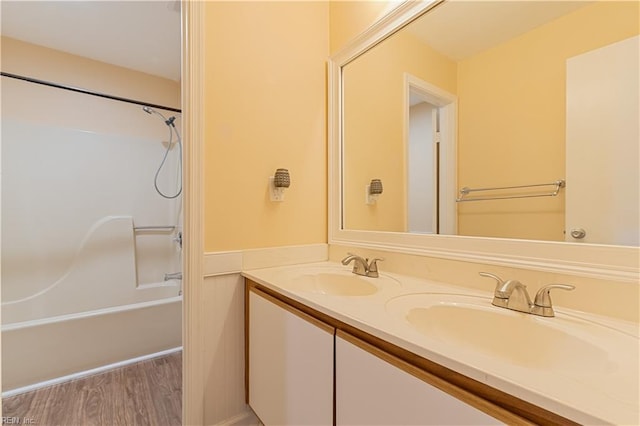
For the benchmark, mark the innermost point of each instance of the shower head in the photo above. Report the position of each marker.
(152, 111)
(167, 121)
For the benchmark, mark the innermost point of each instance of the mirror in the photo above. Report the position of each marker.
(368, 134)
(498, 98)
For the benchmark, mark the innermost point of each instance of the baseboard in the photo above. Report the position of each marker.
(86, 373)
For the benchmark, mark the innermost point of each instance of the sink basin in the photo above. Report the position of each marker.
(336, 282)
(591, 359)
(563, 343)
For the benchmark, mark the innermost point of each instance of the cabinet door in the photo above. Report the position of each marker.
(290, 366)
(371, 391)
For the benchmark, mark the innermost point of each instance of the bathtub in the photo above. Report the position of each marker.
(95, 316)
(47, 351)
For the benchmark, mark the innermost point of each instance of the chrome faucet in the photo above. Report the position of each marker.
(512, 294)
(362, 266)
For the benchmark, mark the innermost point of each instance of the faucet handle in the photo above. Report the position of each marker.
(375, 260)
(373, 266)
(499, 281)
(543, 298)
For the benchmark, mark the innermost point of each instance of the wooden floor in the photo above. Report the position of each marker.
(146, 393)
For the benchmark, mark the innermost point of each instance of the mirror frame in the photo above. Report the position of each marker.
(618, 263)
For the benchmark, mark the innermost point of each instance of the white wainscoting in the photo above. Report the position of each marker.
(223, 299)
(223, 316)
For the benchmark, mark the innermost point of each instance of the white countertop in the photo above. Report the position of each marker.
(584, 395)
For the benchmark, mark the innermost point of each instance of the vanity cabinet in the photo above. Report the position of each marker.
(290, 364)
(294, 377)
(375, 388)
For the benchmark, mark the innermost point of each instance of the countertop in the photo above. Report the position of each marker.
(585, 395)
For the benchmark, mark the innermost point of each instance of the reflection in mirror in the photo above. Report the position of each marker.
(493, 95)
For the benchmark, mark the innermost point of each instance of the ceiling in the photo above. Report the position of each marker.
(140, 35)
(145, 35)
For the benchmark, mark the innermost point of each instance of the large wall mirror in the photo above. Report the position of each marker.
(499, 131)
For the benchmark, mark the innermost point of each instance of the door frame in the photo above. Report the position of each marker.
(447, 104)
(192, 89)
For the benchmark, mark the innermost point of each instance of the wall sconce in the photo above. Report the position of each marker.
(277, 183)
(373, 191)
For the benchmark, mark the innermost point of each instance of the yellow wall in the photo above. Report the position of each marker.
(265, 108)
(512, 106)
(373, 133)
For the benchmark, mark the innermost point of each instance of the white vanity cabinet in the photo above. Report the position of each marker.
(373, 391)
(290, 364)
(304, 367)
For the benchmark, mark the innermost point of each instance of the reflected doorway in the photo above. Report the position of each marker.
(423, 166)
(430, 130)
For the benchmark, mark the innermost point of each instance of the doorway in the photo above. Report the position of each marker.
(430, 146)
(118, 137)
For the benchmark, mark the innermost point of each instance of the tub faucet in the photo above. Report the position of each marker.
(362, 266)
(512, 294)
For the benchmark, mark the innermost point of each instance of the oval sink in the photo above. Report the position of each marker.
(587, 358)
(335, 282)
(563, 343)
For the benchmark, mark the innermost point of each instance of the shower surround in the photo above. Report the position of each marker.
(86, 239)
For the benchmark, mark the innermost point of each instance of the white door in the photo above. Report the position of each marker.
(602, 147)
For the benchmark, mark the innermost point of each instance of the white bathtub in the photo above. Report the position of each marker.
(46, 351)
(95, 315)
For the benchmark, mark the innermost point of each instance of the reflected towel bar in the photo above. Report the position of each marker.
(154, 228)
(465, 191)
